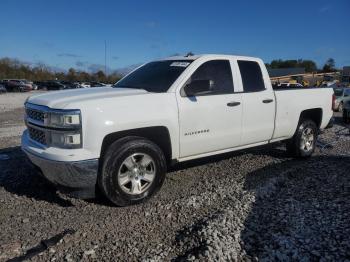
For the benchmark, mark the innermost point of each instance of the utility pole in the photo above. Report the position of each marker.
(105, 57)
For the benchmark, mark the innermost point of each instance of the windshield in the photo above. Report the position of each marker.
(155, 76)
(338, 92)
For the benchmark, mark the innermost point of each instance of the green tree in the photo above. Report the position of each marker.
(309, 65)
(13, 68)
(329, 66)
(100, 76)
(72, 75)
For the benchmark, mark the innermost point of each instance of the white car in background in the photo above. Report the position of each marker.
(290, 85)
(85, 85)
(342, 95)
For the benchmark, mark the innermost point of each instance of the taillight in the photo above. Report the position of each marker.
(333, 102)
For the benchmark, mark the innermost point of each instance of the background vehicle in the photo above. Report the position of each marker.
(329, 80)
(2, 88)
(299, 80)
(341, 96)
(54, 85)
(345, 78)
(96, 84)
(289, 85)
(173, 110)
(15, 85)
(40, 84)
(85, 84)
(346, 112)
(70, 85)
(27, 83)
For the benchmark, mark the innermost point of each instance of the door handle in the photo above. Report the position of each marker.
(233, 104)
(266, 101)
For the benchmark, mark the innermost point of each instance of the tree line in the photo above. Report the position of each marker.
(15, 69)
(309, 65)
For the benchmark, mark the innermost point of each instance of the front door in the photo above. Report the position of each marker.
(212, 121)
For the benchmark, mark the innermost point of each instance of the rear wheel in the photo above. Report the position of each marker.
(133, 170)
(303, 143)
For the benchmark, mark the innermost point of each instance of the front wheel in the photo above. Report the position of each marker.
(303, 143)
(133, 170)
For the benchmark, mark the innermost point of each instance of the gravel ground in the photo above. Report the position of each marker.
(256, 204)
(10, 101)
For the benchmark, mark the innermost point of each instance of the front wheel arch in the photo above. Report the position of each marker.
(157, 134)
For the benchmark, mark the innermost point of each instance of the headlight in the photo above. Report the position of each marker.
(65, 128)
(59, 128)
(63, 119)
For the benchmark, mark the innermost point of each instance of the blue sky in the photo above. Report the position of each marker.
(71, 33)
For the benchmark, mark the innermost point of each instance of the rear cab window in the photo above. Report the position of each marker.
(251, 74)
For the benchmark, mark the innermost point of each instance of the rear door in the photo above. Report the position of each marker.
(258, 102)
(210, 122)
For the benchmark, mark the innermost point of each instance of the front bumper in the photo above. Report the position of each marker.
(78, 178)
(79, 174)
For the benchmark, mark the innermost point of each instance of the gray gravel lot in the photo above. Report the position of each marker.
(256, 204)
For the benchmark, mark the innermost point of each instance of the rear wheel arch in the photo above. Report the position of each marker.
(314, 114)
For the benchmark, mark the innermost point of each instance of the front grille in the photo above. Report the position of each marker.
(37, 135)
(35, 114)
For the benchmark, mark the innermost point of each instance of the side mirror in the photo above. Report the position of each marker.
(199, 87)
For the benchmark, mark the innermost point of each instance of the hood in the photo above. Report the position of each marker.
(60, 99)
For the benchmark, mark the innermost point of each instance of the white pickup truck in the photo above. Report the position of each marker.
(121, 139)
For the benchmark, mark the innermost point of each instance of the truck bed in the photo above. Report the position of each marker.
(290, 103)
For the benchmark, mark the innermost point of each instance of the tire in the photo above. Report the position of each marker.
(303, 143)
(126, 178)
(340, 107)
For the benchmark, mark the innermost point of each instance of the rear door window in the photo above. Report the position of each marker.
(251, 74)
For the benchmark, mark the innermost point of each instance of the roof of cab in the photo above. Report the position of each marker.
(194, 57)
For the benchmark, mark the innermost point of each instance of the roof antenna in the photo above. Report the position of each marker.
(189, 54)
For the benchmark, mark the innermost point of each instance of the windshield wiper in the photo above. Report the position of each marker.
(130, 87)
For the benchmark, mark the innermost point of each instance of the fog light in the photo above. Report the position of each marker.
(65, 140)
